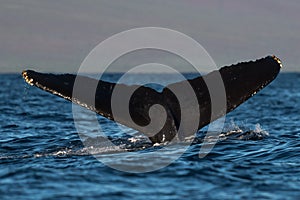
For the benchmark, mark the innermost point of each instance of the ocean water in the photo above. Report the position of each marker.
(43, 157)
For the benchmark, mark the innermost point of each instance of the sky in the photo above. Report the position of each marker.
(56, 36)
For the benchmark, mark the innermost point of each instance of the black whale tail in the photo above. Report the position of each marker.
(241, 81)
(244, 80)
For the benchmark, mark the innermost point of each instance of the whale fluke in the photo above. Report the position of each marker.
(241, 81)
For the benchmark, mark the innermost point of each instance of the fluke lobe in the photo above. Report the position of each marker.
(241, 81)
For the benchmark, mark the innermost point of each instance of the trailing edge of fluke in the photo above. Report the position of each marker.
(241, 81)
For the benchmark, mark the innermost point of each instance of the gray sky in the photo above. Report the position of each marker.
(57, 35)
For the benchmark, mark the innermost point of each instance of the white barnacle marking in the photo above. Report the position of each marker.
(164, 138)
(29, 81)
(278, 60)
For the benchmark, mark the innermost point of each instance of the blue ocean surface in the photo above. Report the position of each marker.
(43, 157)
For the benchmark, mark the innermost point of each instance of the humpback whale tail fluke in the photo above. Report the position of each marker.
(240, 82)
